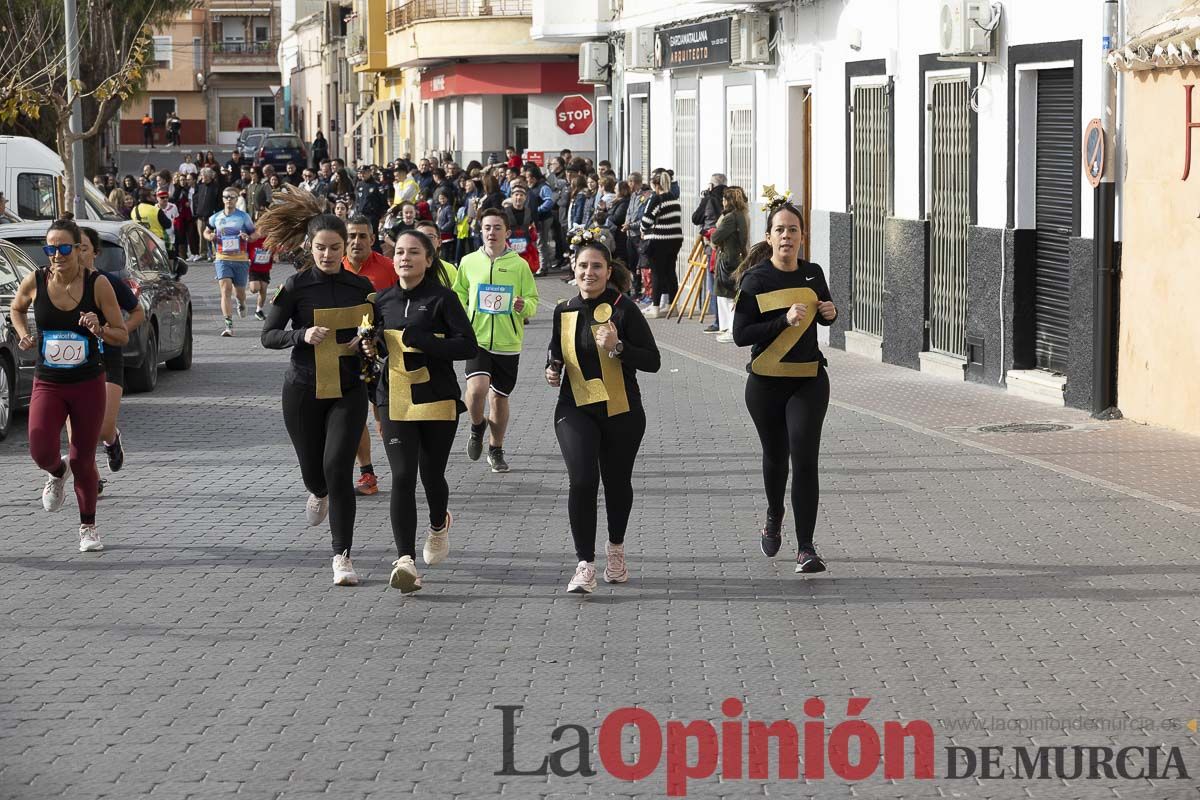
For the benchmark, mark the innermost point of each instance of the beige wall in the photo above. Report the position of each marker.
(1160, 281)
(486, 37)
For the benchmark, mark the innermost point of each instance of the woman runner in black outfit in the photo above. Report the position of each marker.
(324, 397)
(787, 393)
(601, 339)
(422, 330)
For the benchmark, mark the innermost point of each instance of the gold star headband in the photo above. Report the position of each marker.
(774, 198)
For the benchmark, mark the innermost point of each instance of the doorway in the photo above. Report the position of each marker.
(800, 156)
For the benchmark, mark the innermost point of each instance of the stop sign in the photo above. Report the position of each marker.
(574, 114)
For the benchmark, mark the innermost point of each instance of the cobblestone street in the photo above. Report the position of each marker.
(981, 582)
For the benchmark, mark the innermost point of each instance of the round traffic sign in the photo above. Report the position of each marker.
(1093, 152)
(574, 114)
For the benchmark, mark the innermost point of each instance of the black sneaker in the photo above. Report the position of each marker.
(771, 539)
(100, 487)
(115, 453)
(496, 460)
(475, 445)
(808, 561)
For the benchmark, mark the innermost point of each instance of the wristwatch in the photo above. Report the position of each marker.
(616, 351)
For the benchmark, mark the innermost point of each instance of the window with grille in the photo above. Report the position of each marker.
(739, 157)
(685, 154)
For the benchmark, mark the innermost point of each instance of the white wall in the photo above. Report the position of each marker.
(544, 133)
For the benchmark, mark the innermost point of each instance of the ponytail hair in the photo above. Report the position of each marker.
(293, 218)
(622, 278)
(762, 251)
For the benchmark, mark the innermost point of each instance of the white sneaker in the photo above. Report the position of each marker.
(89, 539)
(241, 310)
(316, 509)
(437, 544)
(343, 570)
(653, 313)
(55, 490)
(615, 570)
(584, 581)
(725, 337)
(404, 575)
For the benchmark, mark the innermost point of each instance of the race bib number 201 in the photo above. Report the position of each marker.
(64, 349)
(495, 299)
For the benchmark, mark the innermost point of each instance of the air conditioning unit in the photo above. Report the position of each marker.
(967, 27)
(593, 62)
(639, 49)
(750, 39)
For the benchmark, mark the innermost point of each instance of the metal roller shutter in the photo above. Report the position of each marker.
(1056, 181)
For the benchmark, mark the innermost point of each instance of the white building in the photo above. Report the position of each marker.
(945, 195)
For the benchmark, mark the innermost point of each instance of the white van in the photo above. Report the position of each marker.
(30, 177)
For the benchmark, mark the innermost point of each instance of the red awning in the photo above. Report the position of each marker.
(555, 77)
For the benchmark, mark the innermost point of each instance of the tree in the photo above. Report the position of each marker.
(114, 34)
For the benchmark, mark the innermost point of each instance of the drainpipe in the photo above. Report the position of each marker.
(1103, 333)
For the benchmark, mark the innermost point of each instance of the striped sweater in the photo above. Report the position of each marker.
(662, 220)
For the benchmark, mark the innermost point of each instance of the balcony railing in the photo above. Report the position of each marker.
(256, 52)
(404, 14)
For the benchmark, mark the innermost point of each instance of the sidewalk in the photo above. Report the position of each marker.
(1121, 456)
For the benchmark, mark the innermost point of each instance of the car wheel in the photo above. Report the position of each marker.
(8, 397)
(184, 359)
(145, 377)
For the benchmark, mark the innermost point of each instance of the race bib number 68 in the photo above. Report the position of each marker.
(495, 299)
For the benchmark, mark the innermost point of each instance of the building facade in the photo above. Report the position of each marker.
(180, 64)
(942, 180)
(1158, 332)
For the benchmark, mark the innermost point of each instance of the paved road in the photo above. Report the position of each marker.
(205, 652)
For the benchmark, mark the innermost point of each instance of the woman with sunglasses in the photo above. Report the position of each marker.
(68, 305)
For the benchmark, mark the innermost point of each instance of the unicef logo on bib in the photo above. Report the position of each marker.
(64, 349)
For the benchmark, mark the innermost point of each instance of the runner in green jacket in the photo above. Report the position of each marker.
(499, 293)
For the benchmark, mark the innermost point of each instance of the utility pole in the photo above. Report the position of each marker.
(1104, 234)
(76, 123)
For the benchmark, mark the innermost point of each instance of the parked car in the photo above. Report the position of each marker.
(280, 148)
(16, 365)
(30, 174)
(244, 140)
(138, 258)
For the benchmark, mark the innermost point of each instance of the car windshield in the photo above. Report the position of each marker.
(282, 141)
(111, 258)
(99, 203)
(254, 140)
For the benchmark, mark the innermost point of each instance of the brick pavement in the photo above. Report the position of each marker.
(205, 653)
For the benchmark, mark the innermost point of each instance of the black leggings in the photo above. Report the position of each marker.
(789, 413)
(662, 268)
(595, 449)
(325, 434)
(414, 447)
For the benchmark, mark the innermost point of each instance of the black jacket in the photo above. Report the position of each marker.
(709, 210)
(369, 200)
(429, 318)
(301, 295)
(587, 361)
(206, 200)
(760, 328)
